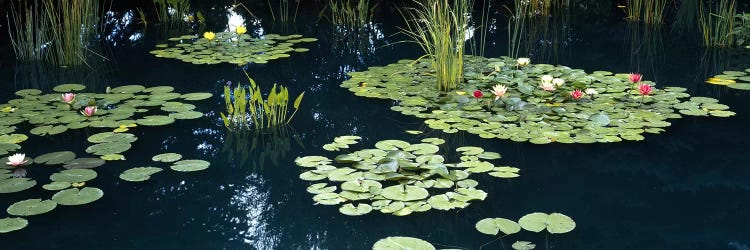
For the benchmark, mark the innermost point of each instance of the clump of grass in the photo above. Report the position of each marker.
(648, 11)
(284, 11)
(344, 13)
(247, 109)
(717, 23)
(439, 27)
(27, 31)
(741, 29)
(53, 31)
(172, 11)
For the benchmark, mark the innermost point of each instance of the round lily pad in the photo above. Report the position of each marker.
(555, 223)
(190, 165)
(351, 210)
(155, 120)
(75, 196)
(139, 174)
(402, 243)
(57, 185)
(523, 245)
(108, 148)
(12, 224)
(13, 185)
(405, 193)
(31, 207)
(493, 226)
(83, 163)
(68, 88)
(74, 175)
(196, 96)
(55, 158)
(167, 157)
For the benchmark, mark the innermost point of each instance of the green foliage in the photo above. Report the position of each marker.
(648, 11)
(741, 30)
(181, 9)
(283, 11)
(246, 107)
(344, 13)
(717, 22)
(66, 25)
(439, 27)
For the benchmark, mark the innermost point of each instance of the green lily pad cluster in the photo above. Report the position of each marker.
(139, 174)
(554, 223)
(229, 47)
(614, 111)
(397, 177)
(732, 79)
(65, 182)
(119, 108)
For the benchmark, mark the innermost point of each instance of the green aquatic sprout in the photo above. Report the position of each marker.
(246, 107)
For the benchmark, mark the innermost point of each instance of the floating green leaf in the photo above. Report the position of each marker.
(190, 165)
(31, 207)
(493, 226)
(13, 185)
(139, 174)
(55, 158)
(12, 224)
(75, 196)
(167, 157)
(82, 163)
(74, 175)
(402, 243)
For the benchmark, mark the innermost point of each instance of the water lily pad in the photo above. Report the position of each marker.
(12, 224)
(351, 210)
(167, 157)
(31, 207)
(190, 165)
(555, 223)
(740, 86)
(75, 196)
(74, 175)
(112, 157)
(196, 96)
(68, 88)
(13, 185)
(139, 174)
(57, 185)
(402, 243)
(155, 120)
(493, 226)
(392, 145)
(108, 148)
(55, 158)
(523, 245)
(405, 193)
(83, 163)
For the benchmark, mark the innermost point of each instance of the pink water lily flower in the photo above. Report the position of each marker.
(499, 91)
(68, 97)
(635, 77)
(17, 160)
(89, 111)
(576, 94)
(645, 89)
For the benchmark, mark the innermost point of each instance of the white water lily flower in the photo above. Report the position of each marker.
(499, 91)
(547, 79)
(557, 81)
(17, 160)
(523, 61)
(590, 91)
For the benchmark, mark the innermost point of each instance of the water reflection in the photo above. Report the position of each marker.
(646, 48)
(258, 147)
(44, 76)
(251, 213)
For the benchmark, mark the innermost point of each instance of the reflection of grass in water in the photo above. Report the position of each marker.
(43, 76)
(439, 27)
(646, 48)
(283, 11)
(259, 146)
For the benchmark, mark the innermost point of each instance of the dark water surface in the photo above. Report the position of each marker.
(687, 188)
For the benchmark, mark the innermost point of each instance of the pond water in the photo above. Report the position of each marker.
(687, 188)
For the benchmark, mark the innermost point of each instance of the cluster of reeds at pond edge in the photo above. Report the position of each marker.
(246, 108)
(439, 27)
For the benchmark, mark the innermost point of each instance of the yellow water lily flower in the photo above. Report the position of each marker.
(719, 81)
(241, 30)
(461, 92)
(8, 109)
(209, 35)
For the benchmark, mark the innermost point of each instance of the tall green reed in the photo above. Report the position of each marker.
(344, 13)
(28, 31)
(439, 27)
(648, 11)
(284, 14)
(247, 109)
(717, 22)
(72, 25)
